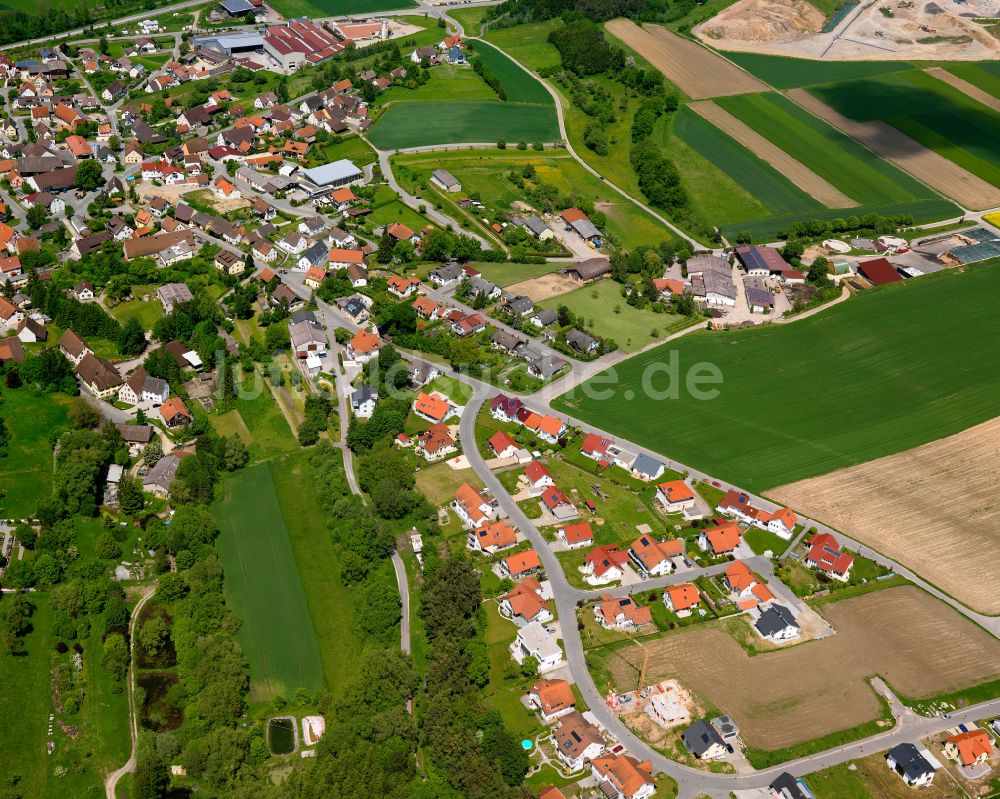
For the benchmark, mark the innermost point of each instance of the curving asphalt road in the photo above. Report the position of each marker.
(691, 782)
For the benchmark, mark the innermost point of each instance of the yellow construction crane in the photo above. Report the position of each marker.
(645, 665)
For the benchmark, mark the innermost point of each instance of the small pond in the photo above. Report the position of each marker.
(281, 735)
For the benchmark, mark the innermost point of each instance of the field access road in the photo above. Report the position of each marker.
(691, 782)
(111, 782)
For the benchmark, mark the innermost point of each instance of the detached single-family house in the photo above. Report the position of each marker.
(623, 777)
(558, 504)
(703, 741)
(520, 564)
(748, 589)
(433, 407)
(675, 496)
(533, 640)
(595, 446)
(577, 741)
(73, 348)
(538, 476)
(721, 539)
(552, 698)
(655, 558)
(825, 554)
(143, 390)
(777, 624)
(363, 401)
(473, 508)
(915, 766)
(576, 536)
(525, 604)
(492, 538)
(502, 445)
(99, 376)
(436, 442)
(604, 564)
(363, 347)
(646, 468)
(681, 598)
(158, 479)
(621, 613)
(969, 748)
(504, 408)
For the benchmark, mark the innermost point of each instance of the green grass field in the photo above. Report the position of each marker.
(986, 75)
(457, 106)
(148, 312)
(631, 329)
(770, 187)
(782, 72)
(884, 372)
(416, 125)
(529, 43)
(327, 8)
(27, 469)
(267, 425)
(519, 86)
(331, 604)
(353, 148)
(932, 112)
(263, 587)
(506, 274)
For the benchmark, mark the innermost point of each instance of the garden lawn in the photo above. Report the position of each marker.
(148, 312)
(613, 318)
(937, 115)
(331, 604)
(415, 125)
(439, 482)
(27, 469)
(263, 586)
(503, 694)
(267, 425)
(841, 387)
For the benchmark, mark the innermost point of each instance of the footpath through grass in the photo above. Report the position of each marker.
(263, 586)
(884, 372)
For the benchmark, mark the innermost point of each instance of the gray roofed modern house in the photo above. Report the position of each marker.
(546, 366)
(505, 341)
(535, 224)
(159, 478)
(480, 285)
(545, 317)
(303, 315)
(581, 342)
(909, 762)
(362, 395)
(700, 738)
(446, 180)
(337, 173)
(422, 372)
(786, 786)
(354, 308)
(171, 294)
(317, 254)
(520, 306)
(775, 620)
(647, 466)
(446, 273)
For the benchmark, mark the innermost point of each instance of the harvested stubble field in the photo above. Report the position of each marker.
(932, 508)
(696, 70)
(545, 287)
(919, 645)
(796, 171)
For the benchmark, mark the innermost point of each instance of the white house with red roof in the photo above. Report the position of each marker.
(525, 603)
(576, 536)
(720, 539)
(474, 508)
(747, 588)
(621, 613)
(655, 558)
(492, 538)
(503, 445)
(520, 564)
(596, 446)
(553, 698)
(682, 598)
(675, 496)
(604, 565)
(557, 503)
(826, 555)
(538, 476)
(623, 777)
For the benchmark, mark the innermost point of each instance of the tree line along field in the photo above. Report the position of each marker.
(890, 370)
(456, 106)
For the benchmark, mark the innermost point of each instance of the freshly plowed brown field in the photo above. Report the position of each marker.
(797, 172)
(696, 70)
(921, 646)
(935, 509)
(935, 170)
